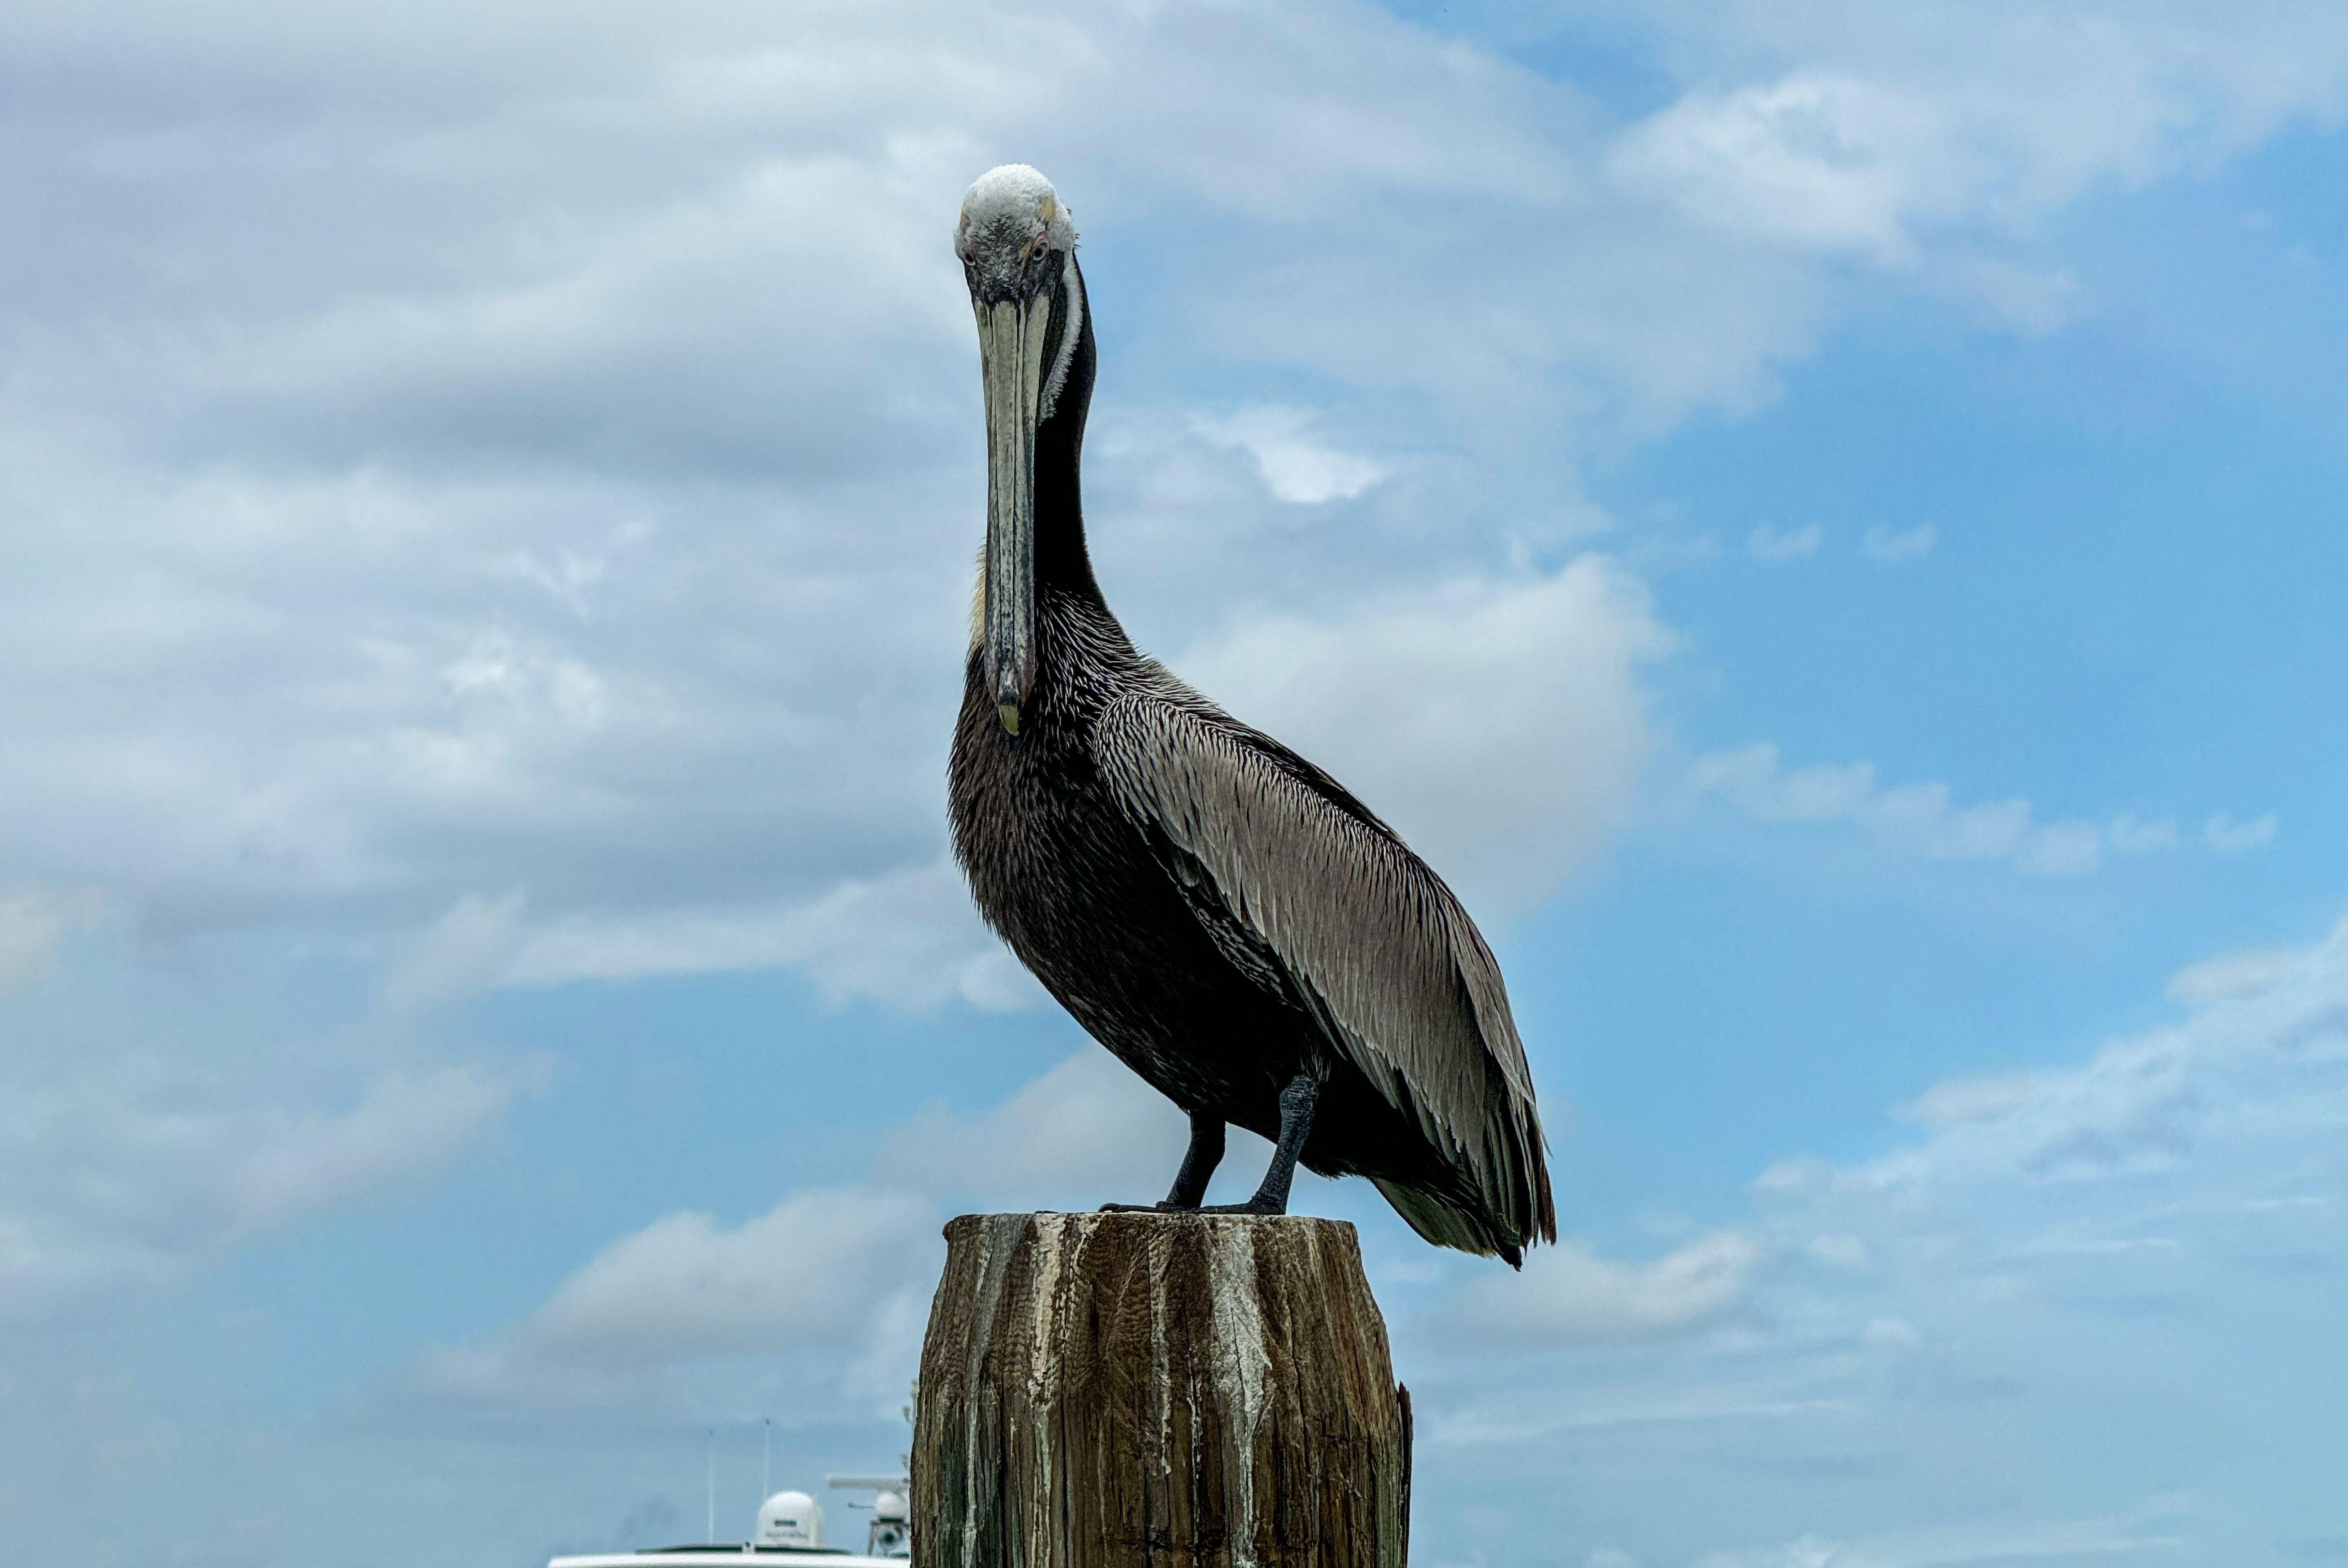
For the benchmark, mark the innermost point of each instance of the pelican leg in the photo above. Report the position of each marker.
(1198, 1162)
(1296, 1103)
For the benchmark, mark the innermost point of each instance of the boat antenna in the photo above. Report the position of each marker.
(766, 1464)
(710, 1529)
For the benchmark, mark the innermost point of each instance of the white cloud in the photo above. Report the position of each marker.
(842, 1273)
(1842, 1250)
(1987, 1543)
(1953, 1100)
(2031, 300)
(120, 1181)
(503, 519)
(1808, 1551)
(2019, 1258)
(2225, 977)
(1786, 544)
(1531, 1411)
(909, 939)
(467, 949)
(686, 1289)
(1810, 160)
(1924, 820)
(1881, 544)
(1927, 140)
(2223, 833)
(1294, 468)
(1919, 819)
(31, 926)
(1568, 1295)
(2266, 1029)
(551, 569)
(2132, 836)
(1888, 1330)
(2133, 1108)
(1088, 1133)
(309, 1163)
(839, 1276)
(1500, 727)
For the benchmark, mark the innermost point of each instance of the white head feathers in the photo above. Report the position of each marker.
(1014, 200)
(1011, 212)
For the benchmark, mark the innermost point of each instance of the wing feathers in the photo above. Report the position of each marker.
(1366, 936)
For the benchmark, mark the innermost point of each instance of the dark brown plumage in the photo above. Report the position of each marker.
(1222, 915)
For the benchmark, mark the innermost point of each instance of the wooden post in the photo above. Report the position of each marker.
(1175, 1390)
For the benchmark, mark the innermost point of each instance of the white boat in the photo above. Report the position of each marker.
(790, 1530)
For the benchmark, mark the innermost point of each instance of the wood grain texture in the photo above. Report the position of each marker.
(1115, 1390)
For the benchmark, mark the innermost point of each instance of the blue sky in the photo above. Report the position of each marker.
(1820, 519)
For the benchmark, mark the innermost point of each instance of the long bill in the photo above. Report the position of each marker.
(1011, 359)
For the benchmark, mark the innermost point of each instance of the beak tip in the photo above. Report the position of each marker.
(1008, 712)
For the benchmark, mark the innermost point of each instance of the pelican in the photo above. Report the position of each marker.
(1225, 917)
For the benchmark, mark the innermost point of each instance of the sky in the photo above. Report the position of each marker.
(1820, 519)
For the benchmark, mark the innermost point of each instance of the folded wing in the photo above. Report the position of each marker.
(1302, 885)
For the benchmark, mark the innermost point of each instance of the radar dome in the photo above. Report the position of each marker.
(790, 1519)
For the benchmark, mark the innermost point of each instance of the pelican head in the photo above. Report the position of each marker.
(1019, 249)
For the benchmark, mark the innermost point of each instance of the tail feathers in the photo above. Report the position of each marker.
(1448, 1225)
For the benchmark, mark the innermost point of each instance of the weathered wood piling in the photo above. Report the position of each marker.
(1179, 1391)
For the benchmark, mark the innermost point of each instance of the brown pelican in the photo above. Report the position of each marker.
(1222, 915)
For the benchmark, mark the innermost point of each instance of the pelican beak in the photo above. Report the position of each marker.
(1011, 334)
